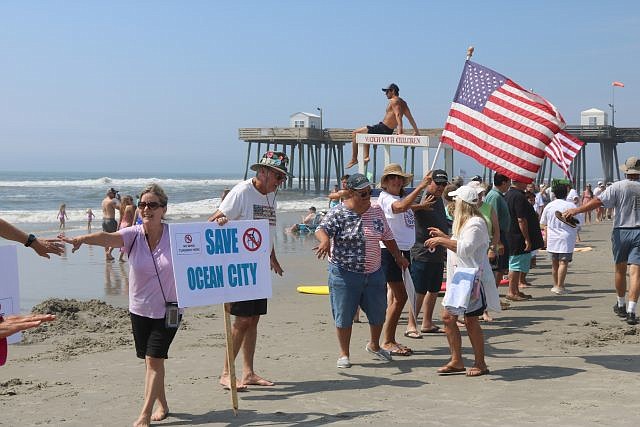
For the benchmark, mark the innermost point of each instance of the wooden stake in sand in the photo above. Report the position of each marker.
(231, 359)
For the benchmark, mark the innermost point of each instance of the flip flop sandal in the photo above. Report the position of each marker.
(413, 334)
(571, 222)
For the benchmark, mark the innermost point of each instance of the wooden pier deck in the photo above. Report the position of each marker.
(317, 154)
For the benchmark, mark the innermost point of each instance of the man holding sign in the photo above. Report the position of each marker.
(252, 199)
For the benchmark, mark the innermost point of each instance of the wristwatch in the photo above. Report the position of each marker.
(30, 240)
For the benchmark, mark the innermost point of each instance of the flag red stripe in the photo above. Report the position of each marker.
(500, 168)
(514, 124)
(508, 139)
(510, 157)
(546, 108)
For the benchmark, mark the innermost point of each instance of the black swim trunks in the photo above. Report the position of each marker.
(109, 225)
(380, 128)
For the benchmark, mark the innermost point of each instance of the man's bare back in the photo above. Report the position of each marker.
(109, 204)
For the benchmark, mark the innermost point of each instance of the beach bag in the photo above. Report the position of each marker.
(463, 291)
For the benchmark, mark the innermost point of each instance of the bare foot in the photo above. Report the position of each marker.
(160, 414)
(224, 382)
(142, 421)
(366, 160)
(254, 379)
(110, 258)
(351, 164)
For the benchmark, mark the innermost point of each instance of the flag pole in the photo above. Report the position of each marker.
(470, 50)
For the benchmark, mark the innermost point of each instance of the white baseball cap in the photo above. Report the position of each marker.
(465, 193)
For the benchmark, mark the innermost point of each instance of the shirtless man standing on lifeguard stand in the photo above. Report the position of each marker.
(396, 109)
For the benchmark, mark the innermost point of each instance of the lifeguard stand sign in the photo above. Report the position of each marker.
(387, 141)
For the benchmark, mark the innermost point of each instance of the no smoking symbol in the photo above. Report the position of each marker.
(252, 239)
(188, 238)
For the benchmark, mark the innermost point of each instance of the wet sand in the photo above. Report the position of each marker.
(554, 360)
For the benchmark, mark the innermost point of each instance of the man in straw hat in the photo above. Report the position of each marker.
(624, 197)
(252, 199)
(396, 110)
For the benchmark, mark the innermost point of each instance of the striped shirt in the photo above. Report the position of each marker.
(355, 238)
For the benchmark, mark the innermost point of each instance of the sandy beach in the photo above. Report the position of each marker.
(554, 360)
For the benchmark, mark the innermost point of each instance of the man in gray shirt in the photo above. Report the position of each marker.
(624, 196)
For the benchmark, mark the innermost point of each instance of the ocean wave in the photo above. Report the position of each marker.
(124, 182)
(175, 211)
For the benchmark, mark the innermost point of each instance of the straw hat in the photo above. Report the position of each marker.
(395, 169)
(631, 166)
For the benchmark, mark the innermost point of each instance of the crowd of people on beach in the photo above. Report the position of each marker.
(467, 235)
(437, 238)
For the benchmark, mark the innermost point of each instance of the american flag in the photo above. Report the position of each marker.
(500, 124)
(562, 149)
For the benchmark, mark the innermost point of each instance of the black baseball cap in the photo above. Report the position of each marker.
(439, 176)
(477, 178)
(393, 87)
(357, 181)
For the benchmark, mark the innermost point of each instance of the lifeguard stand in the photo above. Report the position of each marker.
(388, 141)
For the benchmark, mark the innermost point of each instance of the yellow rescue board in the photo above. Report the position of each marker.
(315, 290)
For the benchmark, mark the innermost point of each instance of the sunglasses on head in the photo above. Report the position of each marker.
(150, 205)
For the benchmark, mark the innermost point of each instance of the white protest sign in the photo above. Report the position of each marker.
(214, 264)
(9, 286)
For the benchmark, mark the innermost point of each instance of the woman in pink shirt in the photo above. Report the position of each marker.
(152, 292)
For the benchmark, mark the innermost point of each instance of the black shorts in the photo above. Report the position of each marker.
(503, 260)
(380, 128)
(427, 276)
(389, 267)
(255, 307)
(151, 336)
(109, 225)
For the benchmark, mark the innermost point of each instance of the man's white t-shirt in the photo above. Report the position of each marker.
(245, 202)
(561, 238)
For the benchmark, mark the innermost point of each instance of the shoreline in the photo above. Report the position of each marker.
(555, 359)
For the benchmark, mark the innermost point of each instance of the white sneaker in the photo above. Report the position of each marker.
(559, 291)
(343, 362)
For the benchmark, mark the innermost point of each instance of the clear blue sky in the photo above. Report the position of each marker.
(164, 85)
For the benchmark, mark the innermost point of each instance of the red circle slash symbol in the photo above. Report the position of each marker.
(252, 239)
(188, 238)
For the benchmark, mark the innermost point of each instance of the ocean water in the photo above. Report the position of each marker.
(31, 200)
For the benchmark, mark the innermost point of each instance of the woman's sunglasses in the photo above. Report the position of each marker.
(150, 205)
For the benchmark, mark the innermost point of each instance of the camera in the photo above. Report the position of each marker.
(172, 315)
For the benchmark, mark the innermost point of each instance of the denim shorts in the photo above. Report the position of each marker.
(348, 290)
(625, 244)
(521, 263)
(559, 256)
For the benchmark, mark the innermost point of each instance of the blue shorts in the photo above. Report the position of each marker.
(625, 245)
(558, 256)
(521, 263)
(427, 276)
(348, 290)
